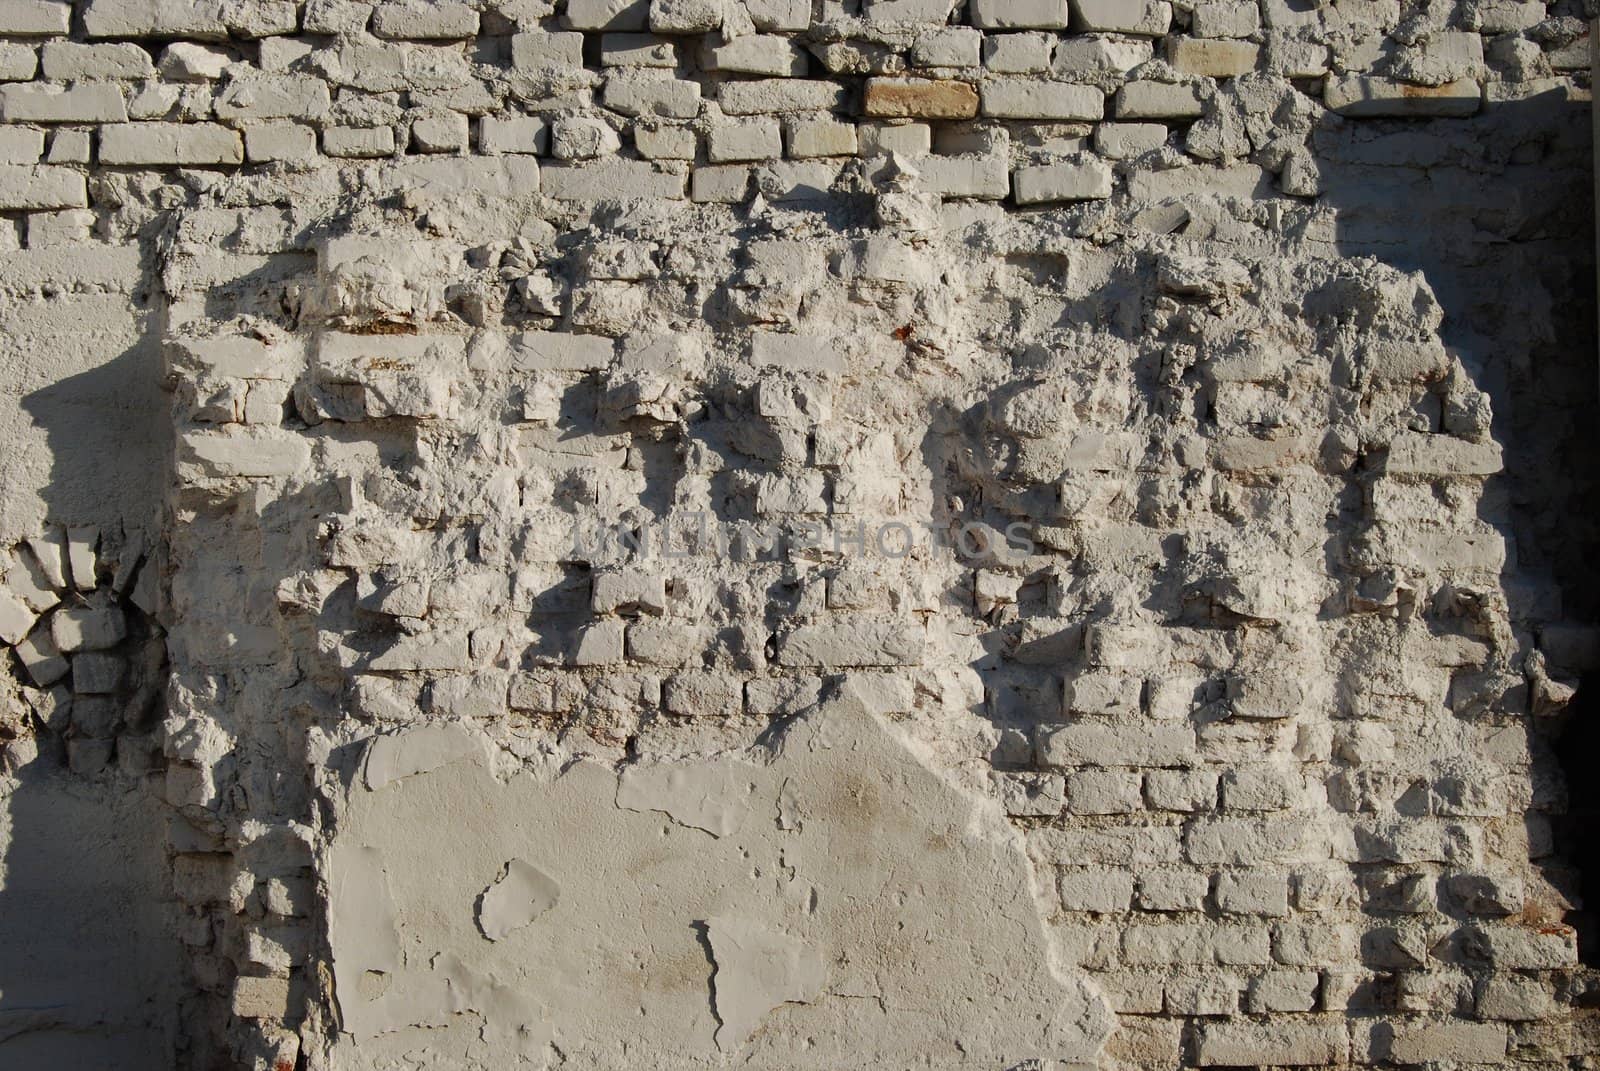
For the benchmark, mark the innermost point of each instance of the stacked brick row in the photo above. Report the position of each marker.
(1034, 102)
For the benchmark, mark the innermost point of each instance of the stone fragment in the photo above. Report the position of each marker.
(40, 657)
(185, 61)
(86, 629)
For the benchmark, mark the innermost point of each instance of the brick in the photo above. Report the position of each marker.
(1018, 14)
(358, 142)
(703, 693)
(907, 139)
(154, 18)
(179, 144)
(231, 454)
(1120, 141)
(1077, 56)
(435, 20)
(777, 16)
(607, 14)
(1194, 943)
(1283, 991)
(85, 629)
(279, 141)
(800, 352)
(41, 659)
(820, 137)
(685, 16)
(638, 50)
(559, 351)
(35, 18)
(919, 98)
(611, 180)
(512, 134)
(1026, 98)
(1089, 744)
(1158, 100)
(1095, 890)
(1226, 18)
(21, 145)
(1147, 18)
(68, 147)
(54, 104)
(1415, 454)
(1213, 59)
(542, 51)
(1366, 97)
(1255, 893)
(41, 187)
(981, 177)
(440, 133)
(948, 46)
(65, 61)
(665, 142)
(18, 62)
(1018, 53)
(1181, 790)
(1172, 890)
(758, 54)
(583, 138)
(650, 93)
(1442, 1042)
(1284, 1043)
(1062, 182)
(751, 139)
(274, 96)
(260, 998)
(773, 95)
(1029, 794)
(1104, 792)
(846, 642)
(184, 61)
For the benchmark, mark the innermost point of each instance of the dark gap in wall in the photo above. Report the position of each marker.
(1579, 828)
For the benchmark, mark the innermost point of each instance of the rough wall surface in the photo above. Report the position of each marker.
(697, 533)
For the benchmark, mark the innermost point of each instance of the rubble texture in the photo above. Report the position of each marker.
(754, 533)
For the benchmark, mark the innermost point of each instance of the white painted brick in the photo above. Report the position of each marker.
(154, 18)
(1119, 141)
(608, 14)
(65, 61)
(358, 142)
(820, 137)
(665, 142)
(907, 139)
(779, 15)
(1226, 18)
(539, 51)
(35, 18)
(1158, 100)
(1018, 14)
(440, 133)
(21, 145)
(69, 147)
(758, 54)
(433, 20)
(948, 46)
(279, 141)
(652, 93)
(611, 180)
(43, 186)
(768, 96)
(512, 134)
(751, 139)
(18, 62)
(638, 50)
(1027, 98)
(1062, 182)
(274, 96)
(157, 144)
(1018, 53)
(93, 103)
(1150, 18)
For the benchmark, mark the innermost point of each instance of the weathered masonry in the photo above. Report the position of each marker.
(798, 534)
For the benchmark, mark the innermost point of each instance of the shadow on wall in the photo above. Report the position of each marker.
(1511, 261)
(90, 963)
